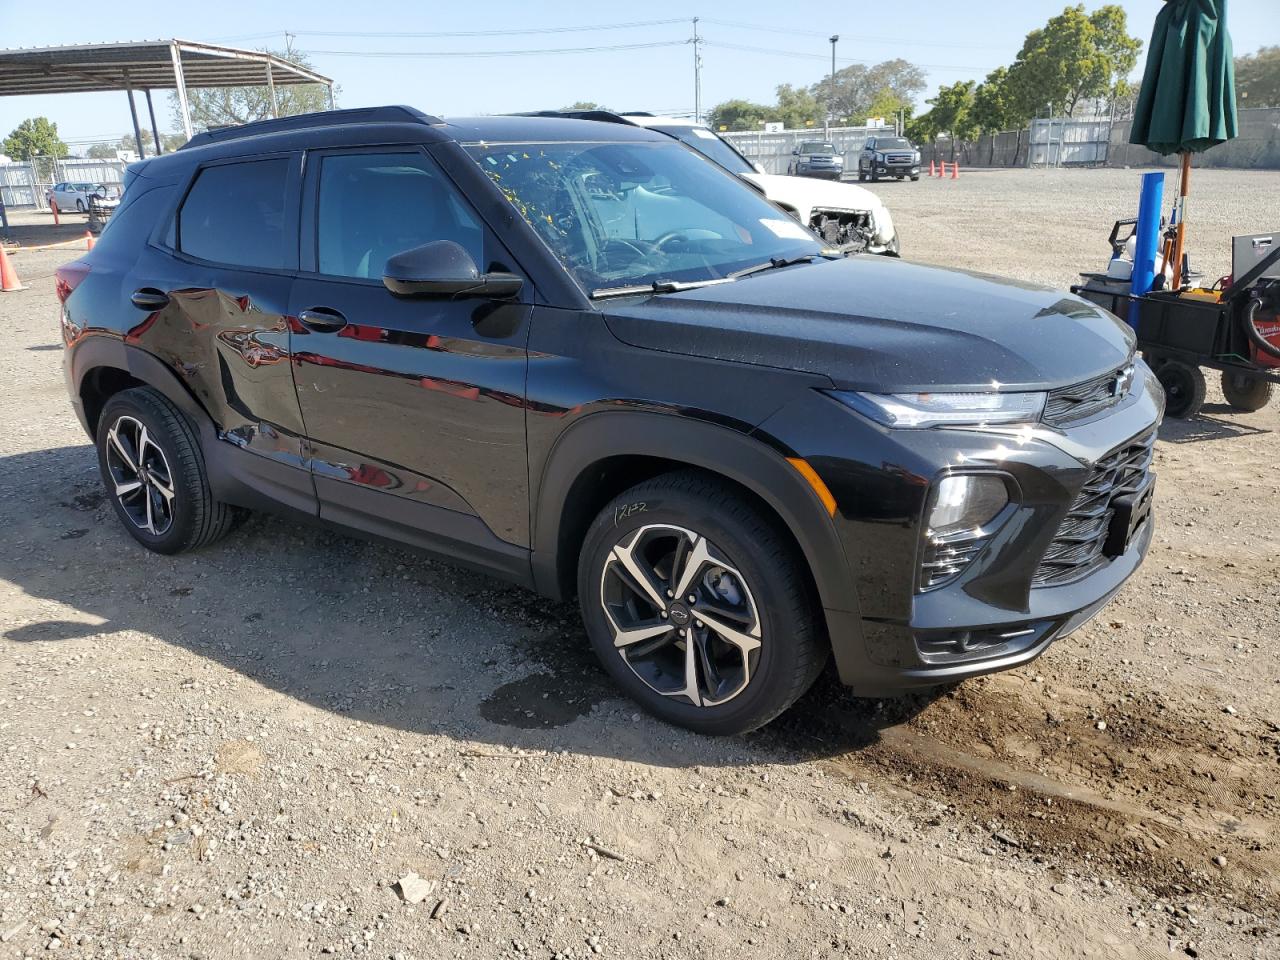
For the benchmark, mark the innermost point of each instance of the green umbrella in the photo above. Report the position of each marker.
(1187, 103)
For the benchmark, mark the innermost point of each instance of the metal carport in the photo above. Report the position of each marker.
(147, 65)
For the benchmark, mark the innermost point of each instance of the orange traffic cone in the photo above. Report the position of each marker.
(9, 282)
(933, 168)
(955, 170)
(53, 205)
(88, 240)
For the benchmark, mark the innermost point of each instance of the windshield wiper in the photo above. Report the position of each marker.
(657, 286)
(774, 264)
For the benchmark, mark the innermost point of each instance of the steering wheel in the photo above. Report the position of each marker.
(670, 237)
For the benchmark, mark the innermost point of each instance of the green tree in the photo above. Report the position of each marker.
(860, 88)
(36, 135)
(992, 109)
(952, 111)
(797, 108)
(222, 106)
(1258, 78)
(585, 105)
(1076, 56)
(738, 115)
(102, 151)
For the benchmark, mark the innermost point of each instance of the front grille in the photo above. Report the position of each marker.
(1077, 548)
(900, 158)
(1081, 400)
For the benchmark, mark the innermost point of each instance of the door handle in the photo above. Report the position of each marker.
(149, 298)
(322, 319)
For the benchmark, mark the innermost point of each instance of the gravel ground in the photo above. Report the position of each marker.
(240, 752)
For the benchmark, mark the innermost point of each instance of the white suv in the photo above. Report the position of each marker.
(846, 216)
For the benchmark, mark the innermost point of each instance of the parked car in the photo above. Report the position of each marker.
(577, 356)
(816, 158)
(888, 157)
(76, 195)
(849, 218)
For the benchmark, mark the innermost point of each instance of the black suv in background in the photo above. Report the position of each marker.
(578, 356)
(888, 157)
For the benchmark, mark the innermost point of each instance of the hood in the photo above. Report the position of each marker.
(804, 193)
(882, 325)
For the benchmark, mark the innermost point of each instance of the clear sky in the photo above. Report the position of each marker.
(787, 43)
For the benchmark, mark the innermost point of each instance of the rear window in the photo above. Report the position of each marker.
(235, 214)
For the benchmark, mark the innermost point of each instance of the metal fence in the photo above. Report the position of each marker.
(1070, 142)
(24, 184)
(773, 150)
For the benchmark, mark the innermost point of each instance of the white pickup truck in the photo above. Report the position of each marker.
(846, 216)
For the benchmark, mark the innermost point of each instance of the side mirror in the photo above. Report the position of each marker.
(759, 167)
(443, 268)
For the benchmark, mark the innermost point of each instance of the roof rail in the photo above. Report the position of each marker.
(600, 116)
(304, 121)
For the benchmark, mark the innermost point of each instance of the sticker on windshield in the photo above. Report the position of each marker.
(702, 132)
(787, 229)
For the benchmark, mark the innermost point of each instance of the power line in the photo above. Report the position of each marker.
(738, 24)
(497, 53)
(796, 54)
(634, 24)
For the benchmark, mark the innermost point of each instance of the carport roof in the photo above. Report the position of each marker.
(141, 65)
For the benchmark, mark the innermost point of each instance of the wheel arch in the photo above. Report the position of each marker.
(606, 453)
(100, 368)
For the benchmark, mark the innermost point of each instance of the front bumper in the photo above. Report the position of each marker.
(897, 170)
(888, 637)
(822, 173)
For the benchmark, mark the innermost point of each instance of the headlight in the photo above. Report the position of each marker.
(880, 157)
(920, 410)
(917, 156)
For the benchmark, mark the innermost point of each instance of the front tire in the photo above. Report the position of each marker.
(155, 474)
(698, 606)
(80, 206)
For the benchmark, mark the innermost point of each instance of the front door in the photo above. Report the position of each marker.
(413, 407)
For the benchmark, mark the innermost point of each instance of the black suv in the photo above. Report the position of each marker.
(581, 357)
(888, 157)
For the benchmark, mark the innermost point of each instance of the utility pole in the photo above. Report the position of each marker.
(697, 73)
(831, 104)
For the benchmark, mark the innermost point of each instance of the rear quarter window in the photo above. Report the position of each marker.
(234, 213)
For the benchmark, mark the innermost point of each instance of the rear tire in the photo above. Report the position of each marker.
(1184, 388)
(738, 643)
(1245, 392)
(155, 474)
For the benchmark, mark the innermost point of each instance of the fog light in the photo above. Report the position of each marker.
(961, 507)
(965, 502)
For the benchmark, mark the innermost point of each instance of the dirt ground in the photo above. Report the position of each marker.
(237, 753)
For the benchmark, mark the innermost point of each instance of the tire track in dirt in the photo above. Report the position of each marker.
(1181, 802)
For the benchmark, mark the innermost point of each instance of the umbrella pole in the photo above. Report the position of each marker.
(1180, 234)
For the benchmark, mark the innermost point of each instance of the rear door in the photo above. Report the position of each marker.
(414, 407)
(214, 308)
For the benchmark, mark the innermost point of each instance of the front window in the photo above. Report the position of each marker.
(816, 147)
(893, 143)
(621, 215)
(710, 146)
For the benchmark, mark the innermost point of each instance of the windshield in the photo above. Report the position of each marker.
(893, 143)
(814, 146)
(637, 214)
(710, 146)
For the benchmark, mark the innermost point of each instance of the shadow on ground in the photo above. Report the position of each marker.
(366, 631)
(1207, 426)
